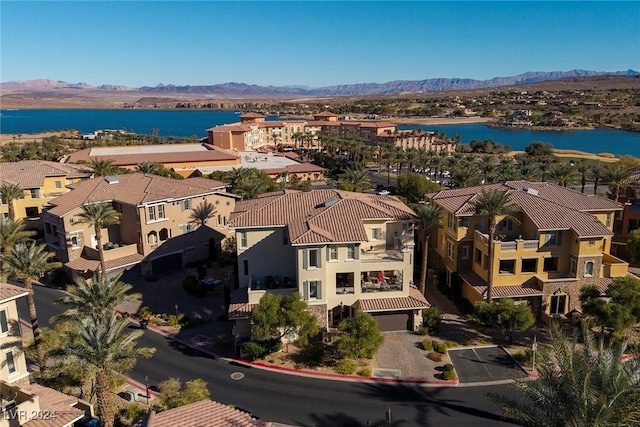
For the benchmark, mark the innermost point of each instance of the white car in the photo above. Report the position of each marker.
(383, 192)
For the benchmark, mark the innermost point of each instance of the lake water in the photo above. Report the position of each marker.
(185, 123)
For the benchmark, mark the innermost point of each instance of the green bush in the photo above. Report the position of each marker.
(422, 330)
(436, 357)
(186, 321)
(312, 354)
(427, 345)
(451, 344)
(144, 312)
(449, 372)
(346, 366)
(440, 347)
(130, 415)
(173, 320)
(431, 318)
(366, 372)
(254, 350)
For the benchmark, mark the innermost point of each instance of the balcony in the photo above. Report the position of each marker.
(614, 267)
(112, 251)
(506, 243)
(381, 281)
(382, 253)
(271, 282)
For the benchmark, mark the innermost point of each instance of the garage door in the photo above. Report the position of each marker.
(392, 321)
(166, 264)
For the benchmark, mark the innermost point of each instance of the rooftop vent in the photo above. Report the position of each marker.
(530, 191)
(111, 179)
(330, 202)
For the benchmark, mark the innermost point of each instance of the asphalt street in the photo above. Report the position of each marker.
(305, 401)
(484, 364)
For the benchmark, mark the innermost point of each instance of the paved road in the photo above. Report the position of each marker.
(304, 401)
(484, 364)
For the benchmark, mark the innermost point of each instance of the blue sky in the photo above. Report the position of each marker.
(310, 43)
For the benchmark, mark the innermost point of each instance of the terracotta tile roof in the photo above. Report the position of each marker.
(367, 124)
(236, 127)
(133, 189)
(82, 264)
(319, 216)
(132, 155)
(239, 308)
(602, 283)
(31, 173)
(297, 168)
(252, 115)
(205, 413)
(552, 208)
(325, 114)
(10, 292)
(500, 291)
(53, 401)
(415, 301)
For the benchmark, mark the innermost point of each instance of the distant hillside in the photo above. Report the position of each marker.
(359, 89)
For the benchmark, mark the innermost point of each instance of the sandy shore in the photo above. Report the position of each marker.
(28, 137)
(439, 120)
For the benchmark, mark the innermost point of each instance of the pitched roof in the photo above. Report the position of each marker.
(548, 206)
(414, 301)
(161, 153)
(318, 216)
(82, 264)
(31, 173)
(500, 291)
(133, 189)
(54, 402)
(205, 413)
(10, 292)
(251, 115)
(239, 308)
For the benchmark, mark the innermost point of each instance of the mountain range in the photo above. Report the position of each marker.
(357, 89)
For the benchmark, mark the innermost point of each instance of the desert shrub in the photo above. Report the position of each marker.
(449, 372)
(525, 357)
(366, 372)
(422, 330)
(346, 367)
(436, 357)
(312, 354)
(427, 345)
(173, 320)
(130, 415)
(192, 285)
(186, 321)
(451, 344)
(440, 347)
(254, 349)
(431, 318)
(144, 312)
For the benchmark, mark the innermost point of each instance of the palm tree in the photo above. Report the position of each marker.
(149, 167)
(11, 233)
(428, 219)
(355, 179)
(202, 213)
(102, 167)
(588, 385)
(465, 174)
(618, 176)
(9, 193)
(99, 215)
(97, 298)
(583, 169)
(28, 262)
(492, 203)
(597, 172)
(563, 173)
(102, 348)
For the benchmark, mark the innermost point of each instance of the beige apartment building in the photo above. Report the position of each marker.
(254, 132)
(343, 252)
(557, 242)
(156, 233)
(40, 181)
(22, 403)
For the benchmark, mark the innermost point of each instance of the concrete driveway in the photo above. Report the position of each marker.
(484, 364)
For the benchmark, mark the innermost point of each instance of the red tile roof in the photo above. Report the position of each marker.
(415, 301)
(53, 402)
(239, 308)
(252, 115)
(133, 189)
(319, 216)
(500, 291)
(31, 173)
(205, 413)
(82, 264)
(10, 292)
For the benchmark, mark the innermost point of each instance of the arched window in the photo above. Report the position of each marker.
(588, 268)
(152, 237)
(164, 234)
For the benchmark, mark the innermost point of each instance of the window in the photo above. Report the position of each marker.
(185, 204)
(151, 211)
(550, 264)
(553, 238)
(507, 266)
(478, 256)
(11, 364)
(588, 268)
(243, 239)
(608, 220)
(245, 267)
(74, 241)
(558, 303)
(450, 249)
(351, 251)
(633, 224)
(407, 228)
(311, 258)
(376, 233)
(58, 184)
(505, 225)
(312, 289)
(572, 267)
(592, 242)
(32, 212)
(35, 193)
(4, 324)
(333, 253)
(464, 222)
(152, 238)
(161, 211)
(529, 265)
(164, 234)
(219, 219)
(465, 252)
(285, 236)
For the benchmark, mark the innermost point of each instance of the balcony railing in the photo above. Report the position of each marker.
(111, 251)
(272, 282)
(614, 267)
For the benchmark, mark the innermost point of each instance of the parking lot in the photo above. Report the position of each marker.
(481, 364)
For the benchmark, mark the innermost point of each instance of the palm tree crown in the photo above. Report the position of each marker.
(428, 218)
(102, 167)
(9, 193)
(99, 215)
(492, 203)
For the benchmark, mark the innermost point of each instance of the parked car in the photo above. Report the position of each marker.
(383, 192)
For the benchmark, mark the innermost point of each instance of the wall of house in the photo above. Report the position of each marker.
(12, 341)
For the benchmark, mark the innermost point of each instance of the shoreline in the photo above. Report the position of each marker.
(438, 120)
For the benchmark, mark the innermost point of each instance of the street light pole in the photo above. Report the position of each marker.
(146, 387)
